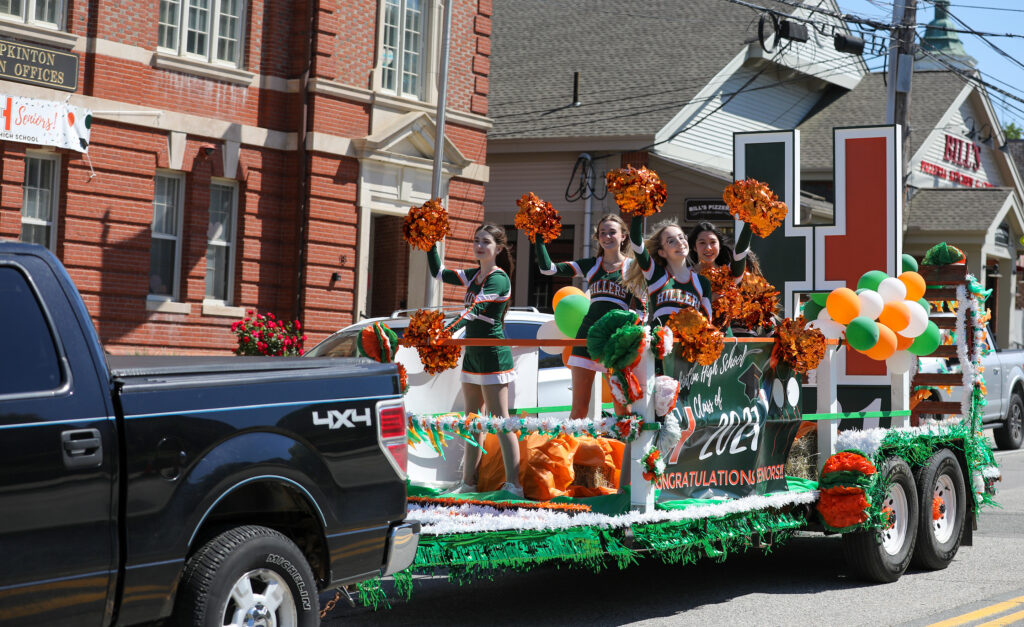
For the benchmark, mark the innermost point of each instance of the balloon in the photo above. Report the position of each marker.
(550, 331)
(886, 345)
(870, 303)
(927, 342)
(820, 298)
(862, 333)
(903, 342)
(909, 263)
(871, 279)
(811, 310)
(568, 290)
(569, 313)
(895, 315)
(842, 304)
(891, 289)
(900, 361)
(606, 392)
(924, 303)
(566, 354)
(918, 319)
(823, 315)
(915, 285)
(829, 328)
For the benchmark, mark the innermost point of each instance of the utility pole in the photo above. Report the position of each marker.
(901, 70)
(430, 295)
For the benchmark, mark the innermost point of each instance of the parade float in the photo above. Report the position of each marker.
(741, 440)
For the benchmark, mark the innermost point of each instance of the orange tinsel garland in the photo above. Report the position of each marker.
(798, 346)
(848, 460)
(638, 192)
(756, 204)
(537, 217)
(427, 225)
(698, 340)
(760, 300)
(454, 502)
(426, 332)
(843, 507)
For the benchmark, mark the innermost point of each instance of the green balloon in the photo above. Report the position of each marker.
(811, 310)
(820, 298)
(569, 313)
(909, 263)
(862, 333)
(871, 280)
(927, 306)
(927, 342)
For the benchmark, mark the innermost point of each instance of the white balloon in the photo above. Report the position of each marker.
(829, 328)
(778, 394)
(824, 315)
(918, 319)
(900, 362)
(891, 289)
(871, 304)
(550, 331)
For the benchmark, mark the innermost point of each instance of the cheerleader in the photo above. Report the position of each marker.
(708, 249)
(486, 370)
(603, 274)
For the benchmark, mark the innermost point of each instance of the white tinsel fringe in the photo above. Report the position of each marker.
(991, 472)
(870, 440)
(443, 520)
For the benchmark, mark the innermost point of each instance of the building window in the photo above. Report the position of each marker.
(48, 12)
(220, 241)
(206, 29)
(165, 248)
(403, 47)
(39, 201)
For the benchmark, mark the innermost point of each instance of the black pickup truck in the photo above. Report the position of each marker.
(213, 491)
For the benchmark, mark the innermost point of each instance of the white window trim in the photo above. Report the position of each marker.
(54, 196)
(191, 62)
(176, 288)
(40, 33)
(30, 11)
(433, 15)
(215, 303)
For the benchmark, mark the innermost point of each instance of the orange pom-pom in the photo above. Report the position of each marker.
(638, 192)
(427, 333)
(800, 347)
(760, 300)
(756, 204)
(537, 217)
(427, 225)
(697, 339)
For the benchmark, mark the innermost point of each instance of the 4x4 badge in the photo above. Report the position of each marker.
(336, 419)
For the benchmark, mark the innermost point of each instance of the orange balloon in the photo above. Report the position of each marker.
(895, 315)
(562, 293)
(843, 305)
(606, 392)
(903, 343)
(915, 285)
(886, 345)
(565, 355)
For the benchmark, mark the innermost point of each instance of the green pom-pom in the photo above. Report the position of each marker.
(600, 333)
(942, 254)
(623, 346)
(392, 342)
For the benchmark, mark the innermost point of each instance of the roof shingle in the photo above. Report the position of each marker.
(947, 209)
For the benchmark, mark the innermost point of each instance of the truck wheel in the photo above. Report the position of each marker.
(248, 576)
(938, 539)
(1010, 436)
(884, 555)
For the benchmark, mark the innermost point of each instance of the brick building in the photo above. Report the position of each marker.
(243, 154)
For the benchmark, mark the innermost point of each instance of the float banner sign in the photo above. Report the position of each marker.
(44, 122)
(738, 417)
(25, 63)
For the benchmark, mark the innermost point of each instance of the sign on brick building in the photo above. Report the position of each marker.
(25, 63)
(44, 122)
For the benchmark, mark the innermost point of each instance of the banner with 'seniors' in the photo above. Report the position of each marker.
(44, 122)
(738, 417)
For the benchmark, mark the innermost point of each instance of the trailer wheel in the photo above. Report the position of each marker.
(1010, 435)
(883, 556)
(939, 538)
(248, 576)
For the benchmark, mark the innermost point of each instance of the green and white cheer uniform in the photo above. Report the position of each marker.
(486, 299)
(668, 293)
(606, 293)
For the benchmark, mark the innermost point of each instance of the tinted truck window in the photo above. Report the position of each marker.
(32, 364)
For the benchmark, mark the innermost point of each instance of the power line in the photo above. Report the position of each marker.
(971, 79)
(985, 39)
(978, 6)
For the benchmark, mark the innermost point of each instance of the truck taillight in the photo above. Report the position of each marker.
(393, 439)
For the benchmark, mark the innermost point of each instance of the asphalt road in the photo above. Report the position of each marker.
(804, 582)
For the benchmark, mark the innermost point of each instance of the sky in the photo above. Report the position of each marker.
(987, 16)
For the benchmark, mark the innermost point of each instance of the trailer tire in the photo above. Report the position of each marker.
(938, 540)
(244, 575)
(1010, 435)
(883, 556)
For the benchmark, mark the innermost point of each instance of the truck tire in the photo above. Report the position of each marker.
(939, 539)
(883, 556)
(1010, 435)
(248, 576)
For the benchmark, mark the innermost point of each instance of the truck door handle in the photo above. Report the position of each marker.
(82, 448)
(995, 371)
